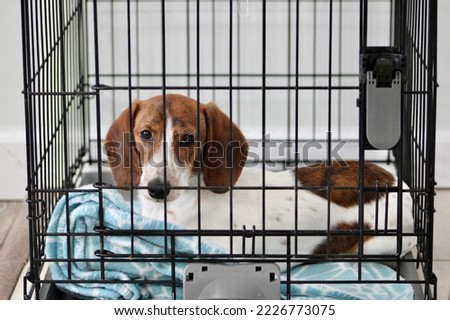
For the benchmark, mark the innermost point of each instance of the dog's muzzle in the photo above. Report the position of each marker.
(158, 190)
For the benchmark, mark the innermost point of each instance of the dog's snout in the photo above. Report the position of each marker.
(158, 190)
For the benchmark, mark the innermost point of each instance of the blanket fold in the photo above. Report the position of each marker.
(77, 269)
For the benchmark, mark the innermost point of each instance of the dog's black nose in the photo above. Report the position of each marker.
(158, 190)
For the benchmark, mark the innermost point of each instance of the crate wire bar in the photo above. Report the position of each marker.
(85, 61)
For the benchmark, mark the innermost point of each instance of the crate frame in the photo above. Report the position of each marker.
(60, 147)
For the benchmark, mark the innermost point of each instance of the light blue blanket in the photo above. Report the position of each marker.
(151, 280)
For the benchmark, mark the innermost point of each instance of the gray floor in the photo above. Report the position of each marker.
(13, 245)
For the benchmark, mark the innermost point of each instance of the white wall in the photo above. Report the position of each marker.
(443, 104)
(12, 132)
(12, 137)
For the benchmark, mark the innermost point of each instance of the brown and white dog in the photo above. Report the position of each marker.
(203, 148)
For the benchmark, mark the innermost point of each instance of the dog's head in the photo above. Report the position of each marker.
(167, 142)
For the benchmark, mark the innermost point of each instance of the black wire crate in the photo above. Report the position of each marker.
(230, 149)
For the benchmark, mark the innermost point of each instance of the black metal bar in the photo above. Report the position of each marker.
(263, 119)
(225, 88)
(131, 143)
(431, 135)
(237, 74)
(26, 60)
(297, 106)
(164, 136)
(188, 46)
(362, 129)
(197, 92)
(329, 119)
(98, 125)
(230, 110)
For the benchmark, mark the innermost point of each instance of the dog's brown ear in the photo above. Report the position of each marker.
(123, 156)
(224, 152)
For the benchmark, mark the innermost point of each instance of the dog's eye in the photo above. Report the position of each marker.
(187, 140)
(146, 135)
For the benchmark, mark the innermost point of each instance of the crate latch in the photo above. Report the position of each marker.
(234, 281)
(383, 73)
